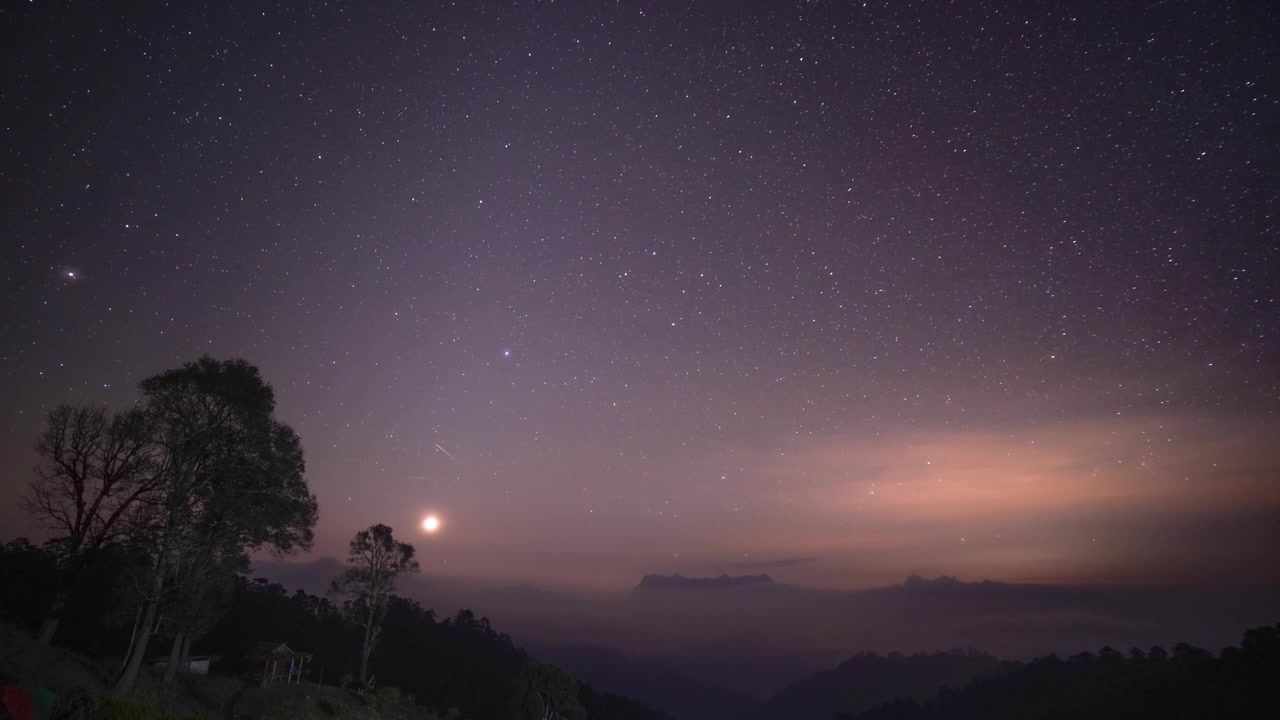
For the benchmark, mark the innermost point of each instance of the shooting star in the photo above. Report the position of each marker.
(446, 452)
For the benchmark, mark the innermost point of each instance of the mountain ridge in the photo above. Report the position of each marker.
(680, 582)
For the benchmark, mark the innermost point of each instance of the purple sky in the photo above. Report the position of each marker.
(630, 287)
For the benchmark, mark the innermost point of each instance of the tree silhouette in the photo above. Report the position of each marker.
(546, 692)
(197, 597)
(228, 480)
(868, 679)
(95, 469)
(1189, 683)
(375, 561)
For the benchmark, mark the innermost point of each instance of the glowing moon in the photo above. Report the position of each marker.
(431, 523)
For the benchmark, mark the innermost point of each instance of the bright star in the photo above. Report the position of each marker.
(431, 523)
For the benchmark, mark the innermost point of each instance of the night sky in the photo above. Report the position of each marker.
(834, 291)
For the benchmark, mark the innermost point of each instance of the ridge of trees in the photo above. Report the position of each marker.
(867, 679)
(459, 665)
(1241, 683)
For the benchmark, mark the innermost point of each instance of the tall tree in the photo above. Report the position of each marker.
(229, 480)
(375, 561)
(95, 469)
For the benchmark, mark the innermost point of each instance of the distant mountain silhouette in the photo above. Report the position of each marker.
(698, 636)
(868, 679)
(1187, 682)
(942, 582)
(680, 582)
(946, 584)
(659, 685)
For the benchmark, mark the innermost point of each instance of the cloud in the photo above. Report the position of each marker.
(1134, 496)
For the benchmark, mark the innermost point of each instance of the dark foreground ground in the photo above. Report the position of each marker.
(79, 685)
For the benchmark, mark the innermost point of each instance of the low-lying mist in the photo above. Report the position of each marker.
(751, 635)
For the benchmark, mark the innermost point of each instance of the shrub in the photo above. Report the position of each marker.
(111, 708)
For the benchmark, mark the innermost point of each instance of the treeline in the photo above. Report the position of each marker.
(154, 512)
(868, 679)
(1242, 683)
(460, 663)
(460, 666)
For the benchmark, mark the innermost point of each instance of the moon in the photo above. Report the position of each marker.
(431, 523)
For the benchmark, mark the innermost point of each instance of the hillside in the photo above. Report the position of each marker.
(656, 683)
(423, 667)
(79, 687)
(1240, 683)
(869, 679)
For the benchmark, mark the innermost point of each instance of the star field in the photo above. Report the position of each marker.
(629, 287)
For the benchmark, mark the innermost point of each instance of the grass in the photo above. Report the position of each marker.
(81, 685)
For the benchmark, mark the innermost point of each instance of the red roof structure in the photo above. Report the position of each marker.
(279, 662)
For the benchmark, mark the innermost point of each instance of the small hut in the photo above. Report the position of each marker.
(279, 662)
